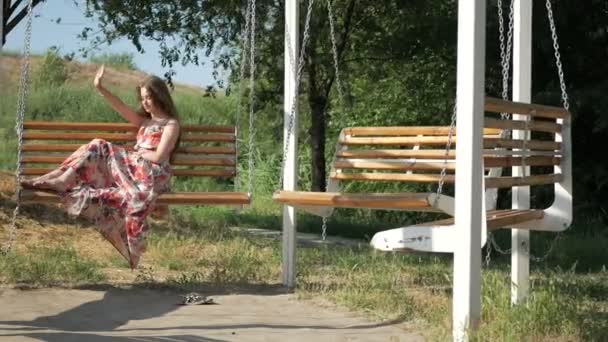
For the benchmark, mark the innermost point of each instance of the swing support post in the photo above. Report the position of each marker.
(522, 84)
(469, 191)
(290, 143)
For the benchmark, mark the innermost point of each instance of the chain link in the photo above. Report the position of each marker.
(23, 87)
(251, 99)
(339, 85)
(558, 61)
(525, 247)
(566, 106)
(448, 146)
(505, 61)
(334, 49)
(245, 45)
(294, 102)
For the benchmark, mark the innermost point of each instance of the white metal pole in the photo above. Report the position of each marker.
(291, 160)
(522, 85)
(469, 191)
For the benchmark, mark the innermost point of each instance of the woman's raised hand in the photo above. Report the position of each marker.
(99, 77)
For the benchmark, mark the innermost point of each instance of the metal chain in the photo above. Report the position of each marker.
(334, 49)
(558, 60)
(565, 103)
(23, 87)
(566, 106)
(245, 45)
(251, 99)
(448, 146)
(294, 102)
(505, 53)
(505, 61)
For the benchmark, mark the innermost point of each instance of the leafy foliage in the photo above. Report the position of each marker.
(121, 61)
(52, 71)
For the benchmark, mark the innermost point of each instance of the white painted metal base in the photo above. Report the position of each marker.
(439, 239)
(420, 238)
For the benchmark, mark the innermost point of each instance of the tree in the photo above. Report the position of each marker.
(366, 32)
(13, 11)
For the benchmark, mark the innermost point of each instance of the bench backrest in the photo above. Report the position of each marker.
(205, 151)
(418, 154)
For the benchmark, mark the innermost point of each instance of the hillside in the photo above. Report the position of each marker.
(10, 67)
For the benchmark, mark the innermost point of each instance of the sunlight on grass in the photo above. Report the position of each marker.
(47, 266)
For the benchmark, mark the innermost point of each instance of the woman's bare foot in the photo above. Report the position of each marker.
(57, 184)
(47, 176)
(27, 184)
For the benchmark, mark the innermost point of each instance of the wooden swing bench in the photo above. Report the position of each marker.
(205, 151)
(418, 154)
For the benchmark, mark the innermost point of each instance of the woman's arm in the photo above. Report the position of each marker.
(119, 106)
(166, 145)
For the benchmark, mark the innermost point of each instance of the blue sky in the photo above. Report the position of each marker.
(46, 33)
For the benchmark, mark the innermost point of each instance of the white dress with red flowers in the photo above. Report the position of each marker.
(117, 188)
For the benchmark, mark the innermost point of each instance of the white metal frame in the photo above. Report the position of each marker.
(520, 196)
(470, 97)
(471, 200)
(290, 175)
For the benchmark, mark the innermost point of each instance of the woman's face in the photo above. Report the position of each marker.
(146, 100)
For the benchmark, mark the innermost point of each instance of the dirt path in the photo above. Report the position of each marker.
(115, 314)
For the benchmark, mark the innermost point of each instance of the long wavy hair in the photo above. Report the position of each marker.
(161, 97)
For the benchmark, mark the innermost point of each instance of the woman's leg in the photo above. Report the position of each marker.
(65, 181)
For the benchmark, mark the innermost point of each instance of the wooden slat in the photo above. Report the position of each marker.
(529, 144)
(409, 141)
(508, 182)
(394, 177)
(497, 219)
(112, 126)
(501, 106)
(220, 173)
(179, 159)
(518, 153)
(431, 154)
(207, 149)
(441, 141)
(533, 125)
(177, 198)
(508, 161)
(405, 165)
(121, 137)
(78, 136)
(209, 137)
(338, 200)
(491, 182)
(401, 165)
(404, 131)
(79, 126)
(397, 154)
(74, 147)
(507, 218)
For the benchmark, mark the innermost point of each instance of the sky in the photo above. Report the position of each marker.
(47, 33)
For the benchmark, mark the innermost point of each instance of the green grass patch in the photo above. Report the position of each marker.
(49, 266)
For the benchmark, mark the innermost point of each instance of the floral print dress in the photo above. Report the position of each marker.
(117, 188)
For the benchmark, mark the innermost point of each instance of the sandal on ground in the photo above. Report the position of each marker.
(196, 299)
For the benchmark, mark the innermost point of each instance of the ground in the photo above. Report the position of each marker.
(123, 310)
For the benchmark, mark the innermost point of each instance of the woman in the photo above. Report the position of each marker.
(116, 187)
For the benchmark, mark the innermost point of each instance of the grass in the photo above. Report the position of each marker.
(47, 266)
(196, 247)
(567, 301)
